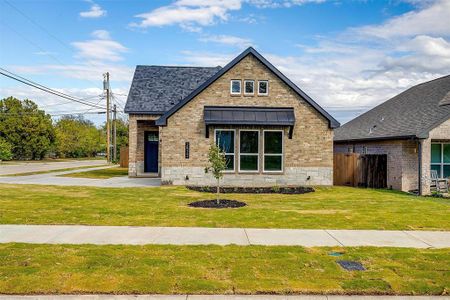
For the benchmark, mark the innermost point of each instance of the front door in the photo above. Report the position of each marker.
(151, 151)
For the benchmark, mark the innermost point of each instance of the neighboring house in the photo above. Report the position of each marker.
(271, 131)
(412, 128)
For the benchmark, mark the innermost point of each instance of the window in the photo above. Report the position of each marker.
(249, 87)
(440, 159)
(263, 87)
(273, 151)
(249, 150)
(225, 140)
(235, 87)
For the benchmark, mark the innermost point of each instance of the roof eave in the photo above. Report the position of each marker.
(381, 138)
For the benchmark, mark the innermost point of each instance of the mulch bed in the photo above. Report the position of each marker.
(213, 204)
(253, 190)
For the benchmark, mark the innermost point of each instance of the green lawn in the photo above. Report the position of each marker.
(100, 174)
(329, 208)
(42, 269)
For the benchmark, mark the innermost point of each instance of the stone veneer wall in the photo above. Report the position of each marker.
(138, 124)
(402, 160)
(308, 154)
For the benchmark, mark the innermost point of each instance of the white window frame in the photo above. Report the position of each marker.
(273, 154)
(249, 154)
(234, 153)
(267, 92)
(240, 86)
(442, 163)
(245, 82)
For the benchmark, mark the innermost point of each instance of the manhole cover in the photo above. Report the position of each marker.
(333, 253)
(351, 265)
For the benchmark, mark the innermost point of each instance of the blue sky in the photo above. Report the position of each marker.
(347, 55)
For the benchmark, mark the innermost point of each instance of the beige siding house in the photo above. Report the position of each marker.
(271, 131)
(412, 128)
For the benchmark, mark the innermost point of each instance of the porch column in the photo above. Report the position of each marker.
(132, 146)
(425, 179)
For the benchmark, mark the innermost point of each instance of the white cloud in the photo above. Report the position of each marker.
(95, 11)
(190, 14)
(103, 48)
(228, 40)
(92, 71)
(101, 34)
(281, 3)
(433, 20)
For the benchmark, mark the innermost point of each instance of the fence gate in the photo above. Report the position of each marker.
(123, 157)
(360, 170)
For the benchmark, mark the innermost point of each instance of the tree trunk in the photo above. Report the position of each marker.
(218, 191)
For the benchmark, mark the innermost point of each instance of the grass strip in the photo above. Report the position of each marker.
(99, 174)
(60, 269)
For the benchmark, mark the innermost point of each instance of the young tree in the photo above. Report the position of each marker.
(26, 128)
(217, 161)
(5, 150)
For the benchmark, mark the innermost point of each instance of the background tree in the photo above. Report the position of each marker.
(78, 137)
(27, 129)
(217, 164)
(121, 133)
(5, 150)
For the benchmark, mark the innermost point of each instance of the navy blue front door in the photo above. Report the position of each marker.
(151, 151)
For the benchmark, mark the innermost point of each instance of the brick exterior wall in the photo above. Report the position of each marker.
(403, 158)
(308, 154)
(138, 124)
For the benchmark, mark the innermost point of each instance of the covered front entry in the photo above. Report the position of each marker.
(151, 146)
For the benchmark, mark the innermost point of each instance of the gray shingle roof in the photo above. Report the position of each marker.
(412, 113)
(156, 89)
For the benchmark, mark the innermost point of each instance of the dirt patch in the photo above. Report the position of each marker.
(223, 203)
(253, 190)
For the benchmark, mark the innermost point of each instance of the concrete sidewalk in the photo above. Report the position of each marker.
(54, 179)
(219, 297)
(22, 167)
(127, 235)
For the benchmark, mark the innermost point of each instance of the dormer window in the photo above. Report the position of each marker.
(263, 87)
(249, 87)
(235, 87)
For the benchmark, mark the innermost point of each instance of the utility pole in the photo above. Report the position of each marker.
(115, 133)
(108, 130)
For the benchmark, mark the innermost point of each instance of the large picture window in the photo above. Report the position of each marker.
(440, 159)
(273, 151)
(249, 150)
(225, 140)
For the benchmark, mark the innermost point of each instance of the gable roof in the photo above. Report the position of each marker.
(411, 114)
(162, 121)
(156, 89)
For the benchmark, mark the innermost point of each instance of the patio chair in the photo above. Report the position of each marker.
(436, 182)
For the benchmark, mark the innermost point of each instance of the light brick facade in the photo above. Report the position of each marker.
(307, 157)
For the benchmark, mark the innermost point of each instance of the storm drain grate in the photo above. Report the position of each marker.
(351, 265)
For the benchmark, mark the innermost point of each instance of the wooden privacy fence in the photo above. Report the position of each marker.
(123, 157)
(360, 170)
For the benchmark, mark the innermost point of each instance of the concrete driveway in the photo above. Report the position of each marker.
(53, 179)
(24, 167)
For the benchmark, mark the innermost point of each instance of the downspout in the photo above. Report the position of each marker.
(420, 167)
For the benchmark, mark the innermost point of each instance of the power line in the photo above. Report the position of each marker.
(46, 89)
